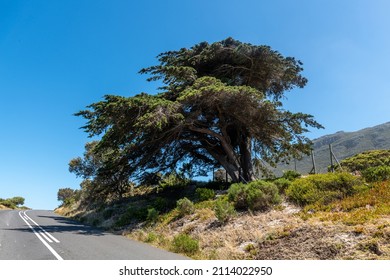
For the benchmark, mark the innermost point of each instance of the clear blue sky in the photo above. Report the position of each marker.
(56, 57)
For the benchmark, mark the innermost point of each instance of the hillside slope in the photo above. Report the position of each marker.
(344, 145)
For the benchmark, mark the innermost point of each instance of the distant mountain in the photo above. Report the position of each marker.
(344, 145)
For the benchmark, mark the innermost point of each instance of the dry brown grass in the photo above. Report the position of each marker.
(2, 207)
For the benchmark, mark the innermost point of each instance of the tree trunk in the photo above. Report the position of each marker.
(247, 174)
(230, 168)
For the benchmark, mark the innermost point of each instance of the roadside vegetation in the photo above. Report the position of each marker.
(220, 106)
(12, 203)
(324, 216)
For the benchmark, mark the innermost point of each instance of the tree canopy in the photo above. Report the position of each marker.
(220, 105)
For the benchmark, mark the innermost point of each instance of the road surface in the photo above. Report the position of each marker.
(43, 235)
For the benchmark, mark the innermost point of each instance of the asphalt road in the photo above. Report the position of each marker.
(44, 235)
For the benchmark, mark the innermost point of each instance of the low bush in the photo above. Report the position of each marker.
(291, 175)
(323, 188)
(152, 215)
(224, 210)
(151, 237)
(203, 194)
(132, 214)
(256, 195)
(8, 203)
(161, 204)
(377, 174)
(172, 181)
(365, 160)
(282, 184)
(107, 214)
(185, 207)
(183, 243)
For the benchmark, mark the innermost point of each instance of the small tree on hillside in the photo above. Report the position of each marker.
(64, 194)
(17, 200)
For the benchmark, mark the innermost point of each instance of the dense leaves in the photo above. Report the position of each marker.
(365, 160)
(220, 107)
(13, 202)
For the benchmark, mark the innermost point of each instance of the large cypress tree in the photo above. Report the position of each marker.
(220, 105)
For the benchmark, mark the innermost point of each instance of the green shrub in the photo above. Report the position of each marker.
(215, 185)
(282, 184)
(152, 215)
(224, 210)
(365, 160)
(17, 200)
(8, 203)
(132, 214)
(291, 175)
(96, 222)
(172, 180)
(323, 188)
(151, 237)
(161, 204)
(204, 194)
(257, 195)
(108, 213)
(377, 174)
(185, 207)
(183, 243)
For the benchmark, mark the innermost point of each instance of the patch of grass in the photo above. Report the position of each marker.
(355, 210)
(151, 237)
(203, 214)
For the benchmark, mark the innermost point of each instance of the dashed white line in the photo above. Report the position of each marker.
(58, 257)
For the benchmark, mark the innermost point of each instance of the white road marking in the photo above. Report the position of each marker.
(58, 257)
(46, 237)
(44, 231)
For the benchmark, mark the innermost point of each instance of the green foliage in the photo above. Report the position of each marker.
(360, 208)
(8, 203)
(172, 180)
(204, 194)
(212, 94)
(152, 215)
(17, 200)
(377, 174)
(257, 195)
(291, 175)
(151, 237)
(365, 160)
(224, 210)
(185, 207)
(161, 204)
(214, 185)
(13, 202)
(66, 195)
(282, 184)
(132, 214)
(323, 188)
(107, 214)
(183, 243)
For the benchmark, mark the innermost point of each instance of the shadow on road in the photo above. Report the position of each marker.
(61, 225)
